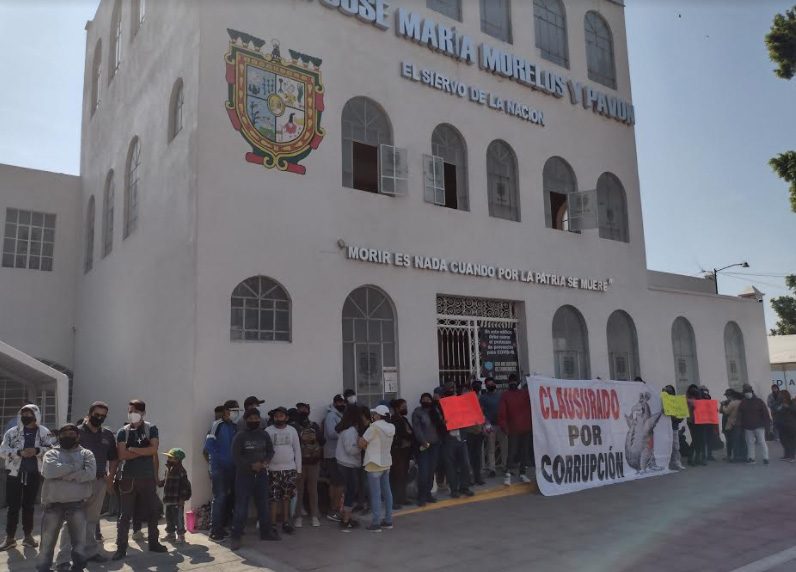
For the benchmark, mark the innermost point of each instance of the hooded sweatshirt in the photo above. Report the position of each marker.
(333, 417)
(379, 436)
(348, 453)
(14, 442)
(68, 475)
(218, 445)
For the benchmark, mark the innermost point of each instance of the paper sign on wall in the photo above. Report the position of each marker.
(706, 412)
(674, 405)
(462, 411)
(390, 379)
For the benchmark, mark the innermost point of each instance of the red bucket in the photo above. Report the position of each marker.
(190, 520)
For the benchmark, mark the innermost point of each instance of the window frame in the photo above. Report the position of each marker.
(96, 78)
(547, 21)
(176, 110)
(115, 62)
(489, 28)
(450, 8)
(596, 54)
(21, 228)
(91, 217)
(612, 198)
(552, 183)
(513, 178)
(368, 126)
(260, 299)
(131, 188)
(108, 213)
(449, 144)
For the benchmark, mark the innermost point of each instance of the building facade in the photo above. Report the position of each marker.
(291, 198)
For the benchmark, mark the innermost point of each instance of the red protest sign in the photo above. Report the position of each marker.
(462, 411)
(706, 412)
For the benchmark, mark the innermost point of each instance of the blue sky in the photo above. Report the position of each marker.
(710, 114)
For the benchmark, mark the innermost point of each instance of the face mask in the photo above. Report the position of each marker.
(352, 399)
(67, 442)
(513, 386)
(27, 420)
(280, 423)
(303, 416)
(252, 425)
(403, 411)
(134, 417)
(340, 408)
(426, 405)
(96, 421)
(491, 388)
(234, 416)
(748, 395)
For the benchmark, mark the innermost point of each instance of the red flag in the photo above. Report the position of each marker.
(706, 412)
(462, 411)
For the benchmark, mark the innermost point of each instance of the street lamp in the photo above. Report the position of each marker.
(716, 272)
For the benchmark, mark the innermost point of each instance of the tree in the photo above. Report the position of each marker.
(781, 43)
(785, 307)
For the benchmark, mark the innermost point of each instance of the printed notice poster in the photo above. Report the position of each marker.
(390, 379)
(498, 351)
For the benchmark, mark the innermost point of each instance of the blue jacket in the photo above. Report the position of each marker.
(218, 445)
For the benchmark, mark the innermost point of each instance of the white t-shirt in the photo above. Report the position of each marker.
(287, 449)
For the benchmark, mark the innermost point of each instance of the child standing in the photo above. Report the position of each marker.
(176, 490)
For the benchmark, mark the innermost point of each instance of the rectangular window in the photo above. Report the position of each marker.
(496, 19)
(394, 171)
(365, 167)
(29, 240)
(451, 8)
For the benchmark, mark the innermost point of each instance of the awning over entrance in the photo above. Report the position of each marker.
(36, 377)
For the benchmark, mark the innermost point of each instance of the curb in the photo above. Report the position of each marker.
(483, 495)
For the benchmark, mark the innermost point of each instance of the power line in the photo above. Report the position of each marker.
(753, 274)
(769, 284)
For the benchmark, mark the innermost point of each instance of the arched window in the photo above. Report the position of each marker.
(496, 19)
(622, 347)
(116, 41)
(260, 311)
(137, 16)
(600, 50)
(550, 28)
(131, 187)
(686, 365)
(735, 354)
(612, 208)
(176, 104)
(451, 8)
(446, 169)
(558, 181)
(96, 77)
(570, 344)
(365, 128)
(502, 181)
(369, 344)
(88, 261)
(107, 215)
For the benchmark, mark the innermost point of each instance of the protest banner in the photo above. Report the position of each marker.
(461, 411)
(674, 405)
(706, 412)
(589, 434)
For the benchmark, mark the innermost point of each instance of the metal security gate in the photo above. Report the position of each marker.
(458, 323)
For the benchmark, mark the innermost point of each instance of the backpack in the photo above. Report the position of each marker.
(311, 451)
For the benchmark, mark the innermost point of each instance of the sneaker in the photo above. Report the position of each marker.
(8, 544)
(431, 500)
(373, 528)
(139, 536)
(235, 545)
(316, 521)
(680, 467)
(216, 536)
(386, 525)
(270, 536)
(298, 523)
(29, 541)
(288, 528)
(455, 495)
(480, 483)
(119, 554)
(64, 567)
(792, 460)
(507, 480)
(491, 474)
(180, 539)
(170, 537)
(347, 526)
(157, 547)
(750, 461)
(467, 492)
(335, 516)
(524, 478)
(765, 462)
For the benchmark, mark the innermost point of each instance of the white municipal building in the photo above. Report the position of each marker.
(286, 198)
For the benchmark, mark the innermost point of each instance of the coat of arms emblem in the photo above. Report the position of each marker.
(274, 103)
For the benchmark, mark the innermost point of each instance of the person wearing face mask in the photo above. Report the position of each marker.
(427, 441)
(22, 449)
(514, 419)
(402, 446)
(675, 461)
(312, 443)
(350, 396)
(176, 491)
(218, 445)
(490, 407)
(101, 442)
(252, 451)
(69, 472)
(284, 468)
(250, 402)
(137, 446)
(334, 414)
(753, 416)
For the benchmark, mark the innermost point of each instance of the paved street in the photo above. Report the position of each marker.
(719, 518)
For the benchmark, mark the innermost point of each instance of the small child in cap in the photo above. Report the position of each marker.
(176, 490)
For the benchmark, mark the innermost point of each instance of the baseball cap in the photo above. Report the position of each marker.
(176, 453)
(251, 400)
(279, 410)
(439, 390)
(231, 404)
(382, 410)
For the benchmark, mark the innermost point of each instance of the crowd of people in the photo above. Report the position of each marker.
(284, 457)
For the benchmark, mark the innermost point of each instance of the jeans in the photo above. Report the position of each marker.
(246, 485)
(758, 434)
(351, 484)
(475, 449)
(497, 436)
(74, 514)
(426, 465)
(221, 481)
(308, 480)
(175, 519)
(519, 448)
(378, 483)
(21, 493)
(93, 510)
(457, 463)
(137, 497)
